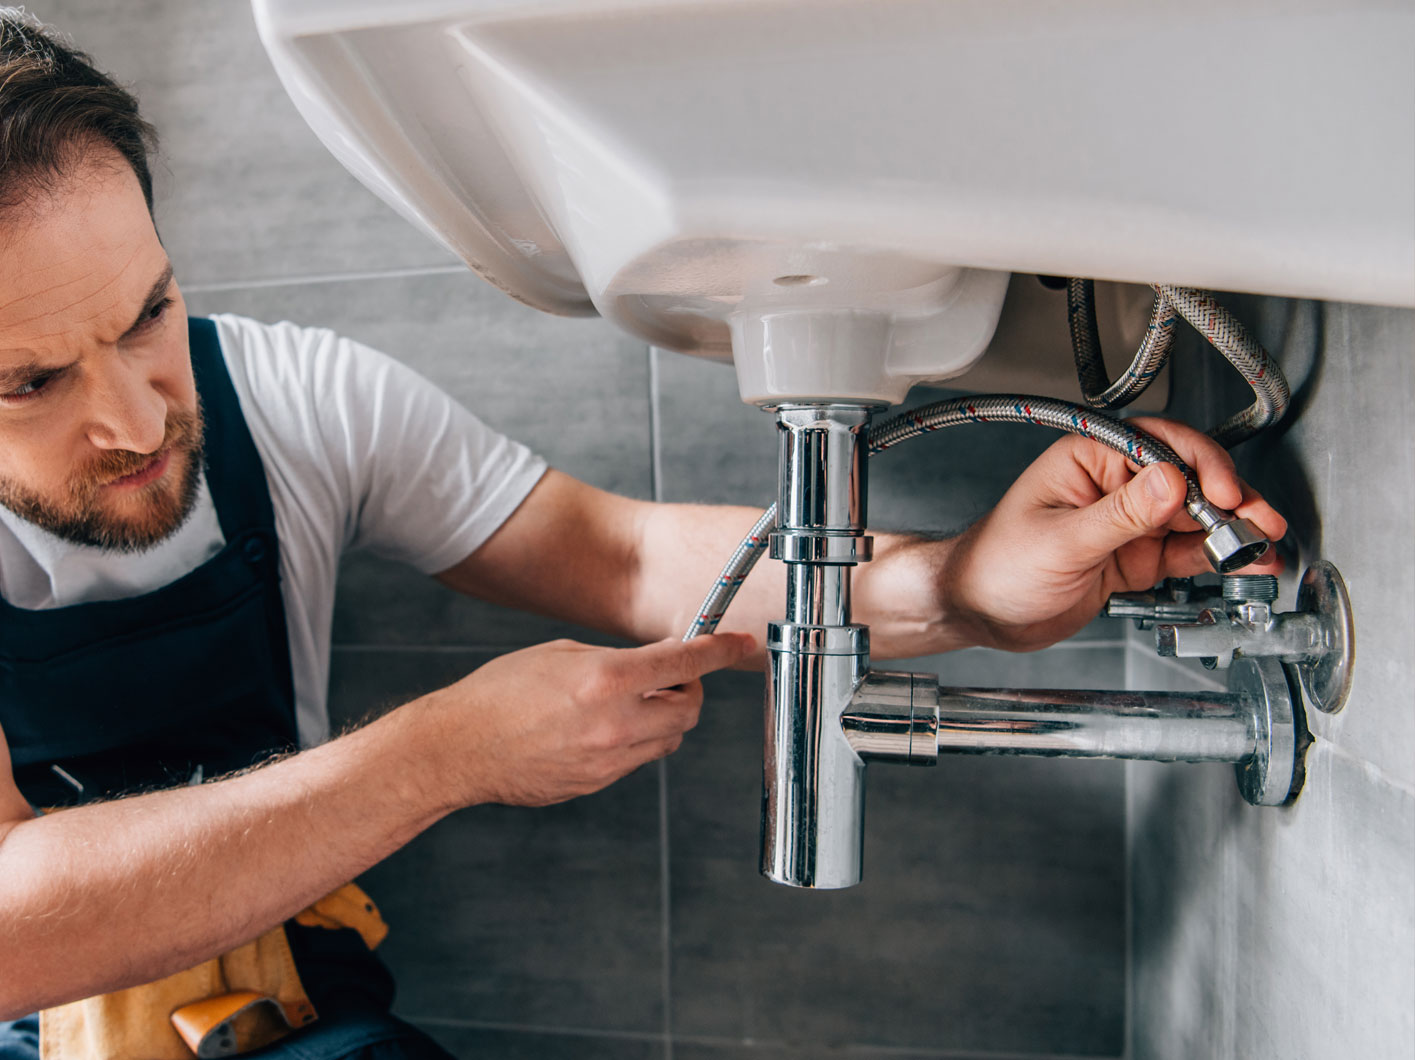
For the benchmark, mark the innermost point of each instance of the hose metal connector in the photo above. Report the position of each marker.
(1234, 545)
(1231, 543)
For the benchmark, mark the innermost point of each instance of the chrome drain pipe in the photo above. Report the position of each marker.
(907, 718)
(813, 790)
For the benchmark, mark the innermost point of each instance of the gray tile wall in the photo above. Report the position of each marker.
(1291, 932)
(633, 923)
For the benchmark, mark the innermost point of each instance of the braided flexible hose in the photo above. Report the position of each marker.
(1130, 442)
(1096, 388)
(734, 573)
(1230, 338)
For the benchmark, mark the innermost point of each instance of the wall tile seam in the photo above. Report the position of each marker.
(509, 646)
(346, 647)
(847, 1048)
(452, 1022)
(1077, 643)
(302, 280)
(1146, 653)
(655, 425)
(1127, 804)
(665, 854)
(714, 1041)
(1369, 769)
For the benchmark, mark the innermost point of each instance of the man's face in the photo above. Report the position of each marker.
(100, 429)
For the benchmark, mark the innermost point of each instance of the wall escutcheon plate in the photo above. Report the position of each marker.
(1271, 776)
(1326, 679)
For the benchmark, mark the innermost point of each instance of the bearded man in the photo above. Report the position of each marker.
(176, 827)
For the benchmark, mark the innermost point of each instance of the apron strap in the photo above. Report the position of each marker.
(234, 471)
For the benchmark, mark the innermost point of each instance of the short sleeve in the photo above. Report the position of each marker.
(409, 472)
(431, 481)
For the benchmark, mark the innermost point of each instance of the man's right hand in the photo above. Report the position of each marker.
(199, 870)
(560, 720)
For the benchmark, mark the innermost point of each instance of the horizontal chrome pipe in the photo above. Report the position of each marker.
(893, 715)
(1159, 726)
(908, 719)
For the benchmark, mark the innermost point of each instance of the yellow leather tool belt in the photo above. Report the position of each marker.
(226, 1006)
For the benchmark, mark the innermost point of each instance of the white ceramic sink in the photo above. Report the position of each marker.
(835, 191)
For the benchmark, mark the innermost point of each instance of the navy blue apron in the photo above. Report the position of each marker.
(192, 680)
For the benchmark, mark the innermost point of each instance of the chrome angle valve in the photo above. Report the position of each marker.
(1239, 620)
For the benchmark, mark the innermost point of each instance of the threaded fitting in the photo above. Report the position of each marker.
(1250, 588)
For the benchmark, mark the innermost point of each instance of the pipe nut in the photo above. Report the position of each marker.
(827, 547)
(1233, 545)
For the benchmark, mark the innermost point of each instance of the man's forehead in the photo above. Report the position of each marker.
(78, 261)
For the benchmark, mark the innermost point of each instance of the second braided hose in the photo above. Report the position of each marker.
(1270, 391)
(1211, 320)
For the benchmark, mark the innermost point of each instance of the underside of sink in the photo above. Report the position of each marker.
(861, 176)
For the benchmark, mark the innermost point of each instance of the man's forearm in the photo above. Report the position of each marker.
(109, 895)
(640, 569)
(897, 594)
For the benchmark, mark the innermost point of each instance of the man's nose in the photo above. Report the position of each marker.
(126, 410)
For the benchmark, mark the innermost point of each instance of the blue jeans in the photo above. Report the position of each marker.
(19, 1040)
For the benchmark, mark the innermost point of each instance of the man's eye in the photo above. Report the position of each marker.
(156, 313)
(27, 390)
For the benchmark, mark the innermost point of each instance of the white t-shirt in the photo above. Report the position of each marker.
(359, 452)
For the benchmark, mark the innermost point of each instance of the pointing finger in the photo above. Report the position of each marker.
(675, 662)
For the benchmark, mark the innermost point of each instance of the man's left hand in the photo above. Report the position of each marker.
(1082, 523)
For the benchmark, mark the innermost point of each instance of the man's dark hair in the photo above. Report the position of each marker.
(54, 104)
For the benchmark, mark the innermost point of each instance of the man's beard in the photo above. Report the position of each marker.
(165, 503)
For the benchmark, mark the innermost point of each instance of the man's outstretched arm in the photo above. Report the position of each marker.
(1078, 525)
(114, 894)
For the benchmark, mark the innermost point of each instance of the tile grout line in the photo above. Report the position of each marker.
(1331, 746)
(665, 909)
(1368, 767)
(374, 647)
(1127, 1040)
(1070, 644)
(921, 1053)
(1082, 644)
(1127, 1044)
(664, 864)
(655, 428)
(411, 272)
(1176, 665)
(531, 1028)
(473, 646)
